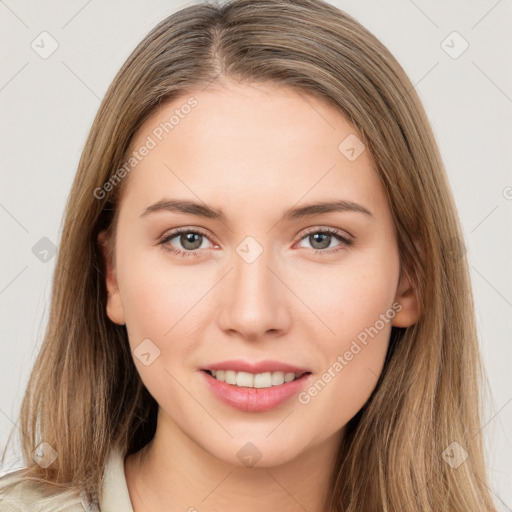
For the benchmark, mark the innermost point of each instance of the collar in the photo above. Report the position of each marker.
(115, 496)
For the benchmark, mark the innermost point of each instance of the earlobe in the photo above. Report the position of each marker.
(114, 309)
(406, 296)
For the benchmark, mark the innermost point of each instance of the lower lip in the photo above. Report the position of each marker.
(255, 399)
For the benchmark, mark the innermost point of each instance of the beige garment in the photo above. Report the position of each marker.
(25, 496)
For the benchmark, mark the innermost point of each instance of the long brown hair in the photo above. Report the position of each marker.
(85, 397)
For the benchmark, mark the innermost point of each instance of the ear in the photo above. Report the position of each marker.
(406, 297)
(115, 310)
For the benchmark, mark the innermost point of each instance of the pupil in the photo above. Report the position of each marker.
(189, 238)
(322, 242)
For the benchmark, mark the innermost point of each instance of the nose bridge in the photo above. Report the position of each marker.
(254, 300)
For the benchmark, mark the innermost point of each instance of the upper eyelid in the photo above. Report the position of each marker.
(337, 231)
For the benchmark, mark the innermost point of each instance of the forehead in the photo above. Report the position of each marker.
(263, 142)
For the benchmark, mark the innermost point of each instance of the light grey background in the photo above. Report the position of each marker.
(47, 106)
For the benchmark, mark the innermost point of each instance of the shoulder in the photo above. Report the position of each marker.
(30, 496)
(19, 494)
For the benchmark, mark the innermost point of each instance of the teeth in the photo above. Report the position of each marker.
(251, 380)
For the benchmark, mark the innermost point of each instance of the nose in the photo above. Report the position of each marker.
(254, 298)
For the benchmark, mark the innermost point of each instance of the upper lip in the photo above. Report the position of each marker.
(240, 365)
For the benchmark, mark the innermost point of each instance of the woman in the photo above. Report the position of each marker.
(286, 140)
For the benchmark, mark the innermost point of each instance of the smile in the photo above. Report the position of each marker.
(252, 380)
(254, 392)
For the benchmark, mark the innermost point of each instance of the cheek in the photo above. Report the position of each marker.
(156, 294)
(158, 300)
(354, 297)
(359, 310)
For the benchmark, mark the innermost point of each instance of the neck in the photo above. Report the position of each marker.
(173, 473)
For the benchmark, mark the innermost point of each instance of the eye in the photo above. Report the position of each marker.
(190, 239)
(321, 238)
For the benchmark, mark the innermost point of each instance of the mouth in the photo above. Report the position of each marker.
(250, 392)
(254, 380)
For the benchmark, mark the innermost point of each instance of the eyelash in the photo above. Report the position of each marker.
(329, 231)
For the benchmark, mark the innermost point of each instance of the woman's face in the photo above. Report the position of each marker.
(259, 274)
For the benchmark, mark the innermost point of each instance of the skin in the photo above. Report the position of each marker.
(252, 151)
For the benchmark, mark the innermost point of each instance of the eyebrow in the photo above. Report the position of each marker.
(203, 210)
